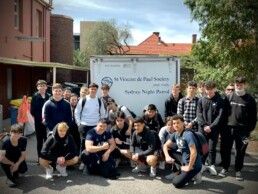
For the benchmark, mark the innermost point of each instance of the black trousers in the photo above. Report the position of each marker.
(41, 135)
(228, 137)
(22, 169)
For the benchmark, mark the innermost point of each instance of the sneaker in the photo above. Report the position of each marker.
(85, 171)
(49, 172)
(62, 170)
(82, 165)
(239, 176)
(171, 176)
(153, 171)
(140, 168)
(204, 168)
(198, 178)
(132, 164)
(223, 173)
(212, 170)
(10, 183)
(162, 165)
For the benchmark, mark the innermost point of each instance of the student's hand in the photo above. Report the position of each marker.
(14, 167)
(135, 157)
(105, 156)
(105, 146)
(207, 129)
(118, 141)
(185, 168)
(189, 126)
(169, 160)
(60, 160)
(128, 132)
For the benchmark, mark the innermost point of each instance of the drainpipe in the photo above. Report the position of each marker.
(31, 30)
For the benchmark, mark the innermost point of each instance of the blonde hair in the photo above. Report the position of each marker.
(62, 125)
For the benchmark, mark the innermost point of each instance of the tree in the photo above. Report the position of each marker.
(229, 39)
(80, 58)
(105, 37)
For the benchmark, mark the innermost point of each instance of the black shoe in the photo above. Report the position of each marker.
(239, 176)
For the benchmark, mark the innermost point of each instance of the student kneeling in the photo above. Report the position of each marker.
(191, 158)
(97, 156)
(60, 150)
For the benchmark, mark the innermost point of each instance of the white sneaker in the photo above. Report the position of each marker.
(212, 170)
(153, 171)
(204, 168)
(62, 170)
(10, 183)
(162, 165)
(198, 178)
(118, 160)
(82, 165)
(49, 172)
(140, 168)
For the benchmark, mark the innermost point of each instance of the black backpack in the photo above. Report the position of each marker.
(131, 112)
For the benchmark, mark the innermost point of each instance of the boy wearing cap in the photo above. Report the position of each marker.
(13, 155)
(37, 102)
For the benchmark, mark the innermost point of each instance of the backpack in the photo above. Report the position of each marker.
(203, 145)
(50, 135)
(84, 102)
(158, 142)
(131, 112)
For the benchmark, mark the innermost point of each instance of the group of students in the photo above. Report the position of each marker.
(100, 133)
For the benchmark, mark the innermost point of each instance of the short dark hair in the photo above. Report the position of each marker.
(192, 83)
(240, 80)
(41, 82)
(138, 119)
(152, 107)
(119, 114)
(176, 117)
(105, 87)
(210, 84)
(105, 121)
(94, 85)
(68, 88)
(16, 128)
(169, 118)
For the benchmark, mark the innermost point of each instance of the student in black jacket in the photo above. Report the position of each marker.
(59, 150)
(145, 147)
(241, 113)
(37, 102)
(210, 118)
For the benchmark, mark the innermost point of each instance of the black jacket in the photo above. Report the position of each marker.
(171, 105)
(55, 146)
(210, 112)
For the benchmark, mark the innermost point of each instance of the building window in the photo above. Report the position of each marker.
(39, 24)
(18, 15)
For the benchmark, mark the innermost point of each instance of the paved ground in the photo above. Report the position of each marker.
(76, 182)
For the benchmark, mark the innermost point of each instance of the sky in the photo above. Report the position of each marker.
(169, 17)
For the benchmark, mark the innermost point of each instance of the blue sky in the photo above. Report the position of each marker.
(169, 17)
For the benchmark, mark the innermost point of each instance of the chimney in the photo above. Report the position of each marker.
(156, 33)
(194, 37)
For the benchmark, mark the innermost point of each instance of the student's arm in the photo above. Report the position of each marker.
(193, 155)
(166, 147)
(17, 164)
(93, 149)
(219, 118)
(5, 160)
(112, 146)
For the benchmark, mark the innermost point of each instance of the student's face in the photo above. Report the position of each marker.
(111, 105)
(210, 92)
(61, 132)
(120, 122)
(138, 127)
(83, 93)
(15, 135)
(178, 125)
(175, 91)
(42, 88)
(151, 113)
(101, 128)
(104, 92)
(191, 90)
(93, 91)
(239, 86)
(67, 94)
(229, 89)
(170, 127)
(74, 101)
(57, 93)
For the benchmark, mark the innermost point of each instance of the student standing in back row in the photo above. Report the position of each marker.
(37, 102)
(241, 113)
(88, 115)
